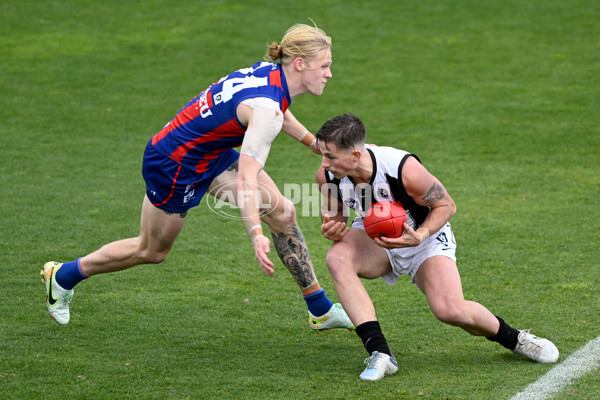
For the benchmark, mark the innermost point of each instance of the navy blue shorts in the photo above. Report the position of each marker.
(175, 189)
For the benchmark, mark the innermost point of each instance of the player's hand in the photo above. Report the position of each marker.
(333, 230)
(262, 247)
(315, 149)
(409, 238)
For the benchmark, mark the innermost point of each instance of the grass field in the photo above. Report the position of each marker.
(499, 99)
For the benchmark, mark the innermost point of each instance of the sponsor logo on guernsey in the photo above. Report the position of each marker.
(188, 194)
(204, 105)
(383, 193)
(351, 203)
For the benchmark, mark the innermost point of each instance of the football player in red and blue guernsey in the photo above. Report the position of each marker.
(194, 154)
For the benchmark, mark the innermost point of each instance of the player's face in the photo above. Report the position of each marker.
(317, 72)
(339, 162)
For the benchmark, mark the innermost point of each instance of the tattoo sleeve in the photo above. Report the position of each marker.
(436, 192)
(292, 251)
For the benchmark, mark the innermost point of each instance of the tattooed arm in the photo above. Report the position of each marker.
(426, 190)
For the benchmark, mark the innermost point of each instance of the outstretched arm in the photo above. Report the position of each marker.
(263, 126)
(293, 128)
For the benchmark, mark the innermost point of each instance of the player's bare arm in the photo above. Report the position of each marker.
(293, 127)
(247, 187)
(334, 223)
(426, 190)
(263, 125)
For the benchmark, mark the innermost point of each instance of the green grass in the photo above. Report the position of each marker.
(499, 99)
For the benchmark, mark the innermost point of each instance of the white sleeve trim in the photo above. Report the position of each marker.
(262, 102)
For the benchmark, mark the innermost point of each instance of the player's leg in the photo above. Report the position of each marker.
(158, 231)
(348, 260)
(279, 214)
(357, 256)
(292, 250)
(288, 239)
(439, 279)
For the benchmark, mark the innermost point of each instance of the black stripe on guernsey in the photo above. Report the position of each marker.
(336, 182)
(417, 211)
(372, 194)
(365, 193)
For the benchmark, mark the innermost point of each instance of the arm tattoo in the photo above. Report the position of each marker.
(436, 192)
(292, 251)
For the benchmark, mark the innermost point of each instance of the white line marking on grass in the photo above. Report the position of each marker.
(555, 380)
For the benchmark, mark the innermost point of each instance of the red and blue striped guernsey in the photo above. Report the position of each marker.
(208, 123)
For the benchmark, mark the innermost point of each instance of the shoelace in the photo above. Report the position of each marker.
(373, 361)
(531, 344)
(68, 297)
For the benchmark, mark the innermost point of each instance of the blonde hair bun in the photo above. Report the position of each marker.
(300, 40)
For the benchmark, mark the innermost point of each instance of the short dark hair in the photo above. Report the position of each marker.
(346, 131)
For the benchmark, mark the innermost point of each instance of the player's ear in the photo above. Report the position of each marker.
(299, 63)
(356, 155)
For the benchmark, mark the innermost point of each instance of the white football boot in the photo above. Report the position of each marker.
(57, 298)
(535, 348)
(378, 366)
(336, 317)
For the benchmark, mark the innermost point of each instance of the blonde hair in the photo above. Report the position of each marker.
(299, 41)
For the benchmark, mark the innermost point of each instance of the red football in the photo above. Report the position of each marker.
(385, 218)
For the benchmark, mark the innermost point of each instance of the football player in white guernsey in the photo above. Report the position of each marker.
(355, 175)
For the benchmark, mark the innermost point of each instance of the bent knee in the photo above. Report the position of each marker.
(338, 261)
(153, 256)
(281, 216)
(451, 314)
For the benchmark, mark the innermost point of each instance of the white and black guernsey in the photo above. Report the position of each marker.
(385, 184)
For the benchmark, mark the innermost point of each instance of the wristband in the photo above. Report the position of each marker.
(308, 139)
(302, 136)
(256, 238)
(253, 227)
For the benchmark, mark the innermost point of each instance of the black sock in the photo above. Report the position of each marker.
(506, 336)
(372, 337)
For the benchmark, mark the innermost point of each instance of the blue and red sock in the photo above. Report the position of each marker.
(318, 303)
(70, 274)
